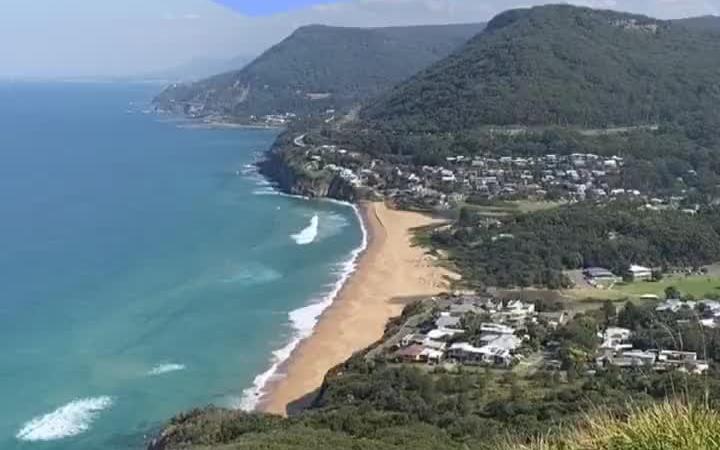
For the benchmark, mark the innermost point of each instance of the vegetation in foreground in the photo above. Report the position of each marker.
(664, 426)
(370, 403)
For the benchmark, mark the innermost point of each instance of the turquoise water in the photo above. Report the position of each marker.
(144, 269)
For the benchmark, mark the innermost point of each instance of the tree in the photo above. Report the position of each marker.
(609, 312)
(672, 293)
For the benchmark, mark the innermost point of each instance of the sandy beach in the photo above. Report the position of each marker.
(389, 271)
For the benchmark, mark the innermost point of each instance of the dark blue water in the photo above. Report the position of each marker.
(143, 268)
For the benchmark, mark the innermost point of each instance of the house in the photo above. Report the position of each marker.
(465, 308)
(410, 354)
(497, 351)
(630, 358)
(638, 273)
(412, 338)
(554, 319)
(440, 333)
(447, 321)
(683, 361)
(434, 345)
(616, 338)
(495, 328)
(432, 356)
(673, 356)
(516, 312)
(599, 275)
(674, 305)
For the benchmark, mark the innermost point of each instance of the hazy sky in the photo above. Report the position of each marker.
(58, 38)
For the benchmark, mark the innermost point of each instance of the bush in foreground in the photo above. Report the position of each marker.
(665, 426)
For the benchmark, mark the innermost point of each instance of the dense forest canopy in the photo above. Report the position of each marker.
(321, 67)
(566, 66)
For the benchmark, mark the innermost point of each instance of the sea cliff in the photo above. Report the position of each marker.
(292, 178)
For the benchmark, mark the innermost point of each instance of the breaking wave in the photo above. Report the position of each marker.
(308, 235)
(162, 369)
(68, 420)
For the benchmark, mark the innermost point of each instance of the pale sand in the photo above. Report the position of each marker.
(389, 271)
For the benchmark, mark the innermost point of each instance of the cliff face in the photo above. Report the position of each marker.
(292, 181)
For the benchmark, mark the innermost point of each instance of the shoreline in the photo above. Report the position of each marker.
(253, 396)
(388, 270)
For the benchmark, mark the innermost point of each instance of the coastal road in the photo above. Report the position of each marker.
(300, 141)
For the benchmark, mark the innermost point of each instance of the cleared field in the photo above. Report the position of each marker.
(502, 208)
(697, 285)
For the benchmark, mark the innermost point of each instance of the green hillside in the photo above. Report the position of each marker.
(319, 68)
(563, 66)
(703, 23)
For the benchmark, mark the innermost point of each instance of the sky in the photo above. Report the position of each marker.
(102, 38)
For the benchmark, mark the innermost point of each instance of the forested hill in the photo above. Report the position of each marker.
(560, 66)
(319, 68)
(703, 23)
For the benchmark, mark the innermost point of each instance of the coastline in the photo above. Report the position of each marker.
(379, 280)
(305, 319)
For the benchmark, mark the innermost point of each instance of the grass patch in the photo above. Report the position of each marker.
(665, 426)
(504, 208)
(698, 286)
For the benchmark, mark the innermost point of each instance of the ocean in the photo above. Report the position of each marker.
(145, 268)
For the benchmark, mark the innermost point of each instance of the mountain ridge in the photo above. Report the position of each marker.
(318, 68)
(547, 65)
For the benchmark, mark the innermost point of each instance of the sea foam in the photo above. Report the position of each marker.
(162, 369)
(303, 321)
(68, 420)
(309, 233)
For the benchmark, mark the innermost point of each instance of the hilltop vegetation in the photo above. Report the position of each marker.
(534, 249)
(319, 68)
(563, 66)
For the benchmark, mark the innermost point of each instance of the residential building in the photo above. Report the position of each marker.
(638, 273)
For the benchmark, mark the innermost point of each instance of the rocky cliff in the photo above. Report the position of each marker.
(292, 179)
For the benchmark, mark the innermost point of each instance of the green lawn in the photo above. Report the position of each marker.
(697, 286)
(503, 208)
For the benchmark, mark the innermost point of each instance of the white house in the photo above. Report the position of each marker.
(640, 272)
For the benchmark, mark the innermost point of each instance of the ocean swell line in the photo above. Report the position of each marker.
(304, 320)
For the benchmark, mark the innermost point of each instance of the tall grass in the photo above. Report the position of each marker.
(665, 426)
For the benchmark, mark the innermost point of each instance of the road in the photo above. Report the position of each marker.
(300, 141)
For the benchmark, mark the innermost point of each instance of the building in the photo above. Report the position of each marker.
(418, 353)
(615, 338)
(498, 351)
(638, 273)
(410, 354)
(495, 328)
(599, 275)
(554, 319)
(412, 338)
(447, 321)
(515, 313)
